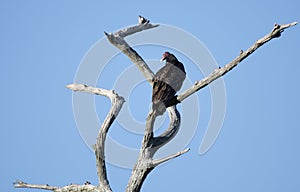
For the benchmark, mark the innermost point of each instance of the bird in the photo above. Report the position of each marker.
(166, 82)
(143, 20)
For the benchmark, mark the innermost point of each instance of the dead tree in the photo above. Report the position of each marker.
(150, 143)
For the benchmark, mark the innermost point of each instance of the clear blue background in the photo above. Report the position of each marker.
(43, 42)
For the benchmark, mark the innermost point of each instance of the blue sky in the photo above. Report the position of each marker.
(43, 43)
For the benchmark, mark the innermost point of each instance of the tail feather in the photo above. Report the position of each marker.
(160, 107)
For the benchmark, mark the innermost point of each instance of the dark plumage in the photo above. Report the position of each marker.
(168, 80)
(143, 20)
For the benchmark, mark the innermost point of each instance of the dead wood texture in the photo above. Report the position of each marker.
(150, 143)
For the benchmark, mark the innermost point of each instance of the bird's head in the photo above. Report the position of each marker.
(164, 56)
(169, 57)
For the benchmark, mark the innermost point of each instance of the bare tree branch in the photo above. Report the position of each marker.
(117, 39)
(80, 188)
(172, 130)
(89, 89)
(117, 103)
(275, 33)
(162, 160)
(143, 24)
(72, 187)
(145, 163)
(21, 184)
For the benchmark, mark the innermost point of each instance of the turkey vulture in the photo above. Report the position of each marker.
(167, 81)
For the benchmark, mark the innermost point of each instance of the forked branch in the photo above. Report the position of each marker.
(150, 144)
(117, 103)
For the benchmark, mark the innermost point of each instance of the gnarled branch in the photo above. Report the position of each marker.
(117, 103)
(145, 163)
(172, 130)
(150, 144)
(117, 39)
